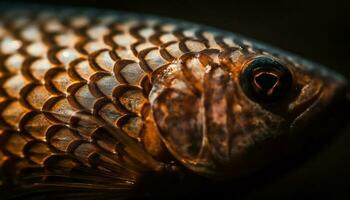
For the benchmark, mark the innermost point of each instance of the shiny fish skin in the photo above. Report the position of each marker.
(88, 98)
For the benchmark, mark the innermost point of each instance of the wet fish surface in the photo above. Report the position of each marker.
(92, 101)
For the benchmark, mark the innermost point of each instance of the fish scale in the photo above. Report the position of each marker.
(93, 100)
(53, 68)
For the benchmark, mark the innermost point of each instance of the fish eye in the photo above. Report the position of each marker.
(265, 80)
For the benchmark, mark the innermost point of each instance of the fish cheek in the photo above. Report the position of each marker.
(218, 97)
(178, 117)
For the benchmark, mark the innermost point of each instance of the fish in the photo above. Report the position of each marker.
(92, 102)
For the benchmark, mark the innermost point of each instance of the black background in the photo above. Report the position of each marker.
(313, 29)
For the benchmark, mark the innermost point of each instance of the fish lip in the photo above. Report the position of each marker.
(308, 113)
(300, 109)
(321, 105)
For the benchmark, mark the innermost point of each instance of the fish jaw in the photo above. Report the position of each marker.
(333, 94)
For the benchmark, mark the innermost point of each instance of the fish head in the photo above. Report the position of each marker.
(229, 114)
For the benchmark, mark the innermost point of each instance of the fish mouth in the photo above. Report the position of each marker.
(331, 104)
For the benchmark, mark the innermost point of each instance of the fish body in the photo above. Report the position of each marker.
(92, 100)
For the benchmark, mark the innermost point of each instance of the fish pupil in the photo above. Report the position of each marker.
(266, 81)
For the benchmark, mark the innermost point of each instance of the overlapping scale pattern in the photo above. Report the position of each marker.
(56, 65)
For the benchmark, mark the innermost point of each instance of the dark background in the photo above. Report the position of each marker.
(313, 29)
